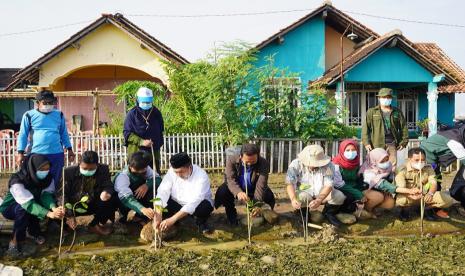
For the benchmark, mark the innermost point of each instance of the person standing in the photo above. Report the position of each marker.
(143, 127)
(43, 131)
(385, 127)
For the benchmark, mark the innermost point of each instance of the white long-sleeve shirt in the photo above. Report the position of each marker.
(187, 192)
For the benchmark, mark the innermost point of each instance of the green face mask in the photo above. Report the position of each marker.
(87, 173)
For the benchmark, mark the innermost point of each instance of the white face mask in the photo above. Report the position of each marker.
(418, 165)
(350, 155)
(47, 108)
(384, 165)
(385, 102)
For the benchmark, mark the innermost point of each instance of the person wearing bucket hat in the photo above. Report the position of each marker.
(43, 131)
(310, 179)
(385, 127)
(143, 127)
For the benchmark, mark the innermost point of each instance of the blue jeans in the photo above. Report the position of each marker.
(57, 161)
(23, 221)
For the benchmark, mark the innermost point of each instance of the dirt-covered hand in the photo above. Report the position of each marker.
(428, 198)
(296, 204)
(166, 224)
(314, 204)
(242, 197)
(148, 212)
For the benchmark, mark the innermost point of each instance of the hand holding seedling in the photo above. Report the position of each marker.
(56, 213)
(141, 191)
(167, 223)
(314, 204)
(296, 204)
(148, 212)
(428, 198)
(257, 211)
(242, 197)
(105, 196)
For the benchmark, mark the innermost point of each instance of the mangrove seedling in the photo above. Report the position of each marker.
(252, 207)
(78, 207)
(302, 191)
(157, 236)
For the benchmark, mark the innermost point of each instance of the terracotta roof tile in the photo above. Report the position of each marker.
(453, 88)
(433, 52)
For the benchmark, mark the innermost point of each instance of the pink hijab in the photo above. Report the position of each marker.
(371, 164)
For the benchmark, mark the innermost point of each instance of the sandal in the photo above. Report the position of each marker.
(39, 240)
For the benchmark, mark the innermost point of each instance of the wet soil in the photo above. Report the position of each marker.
(378, 246)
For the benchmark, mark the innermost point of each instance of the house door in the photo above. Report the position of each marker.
(407, 102)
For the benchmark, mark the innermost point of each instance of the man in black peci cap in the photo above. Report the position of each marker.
(185, 190)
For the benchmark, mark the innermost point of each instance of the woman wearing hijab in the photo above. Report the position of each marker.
(143, 127)
(348, 180)
(30, 197)
(377, 174)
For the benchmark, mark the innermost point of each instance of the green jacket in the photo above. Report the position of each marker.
(373, 128)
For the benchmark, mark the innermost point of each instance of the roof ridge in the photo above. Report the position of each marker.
(326, 6)
(119, 21)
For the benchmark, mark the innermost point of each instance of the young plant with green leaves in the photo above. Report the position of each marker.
(302, 193)
(79, 207)
(252, 209)
(157, 235)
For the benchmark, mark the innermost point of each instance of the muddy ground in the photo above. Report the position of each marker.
(381, 246)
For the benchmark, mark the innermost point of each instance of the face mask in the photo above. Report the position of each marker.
(350, 155)
(47, 108)
(385, 102)
(87, 173)
(145, 106)
(384, 165)
(42, 174)
(419, 165)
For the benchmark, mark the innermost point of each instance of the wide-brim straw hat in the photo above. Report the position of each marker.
(313, 156)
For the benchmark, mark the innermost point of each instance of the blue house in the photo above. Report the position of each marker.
(423, 77)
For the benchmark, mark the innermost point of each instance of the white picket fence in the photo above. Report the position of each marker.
(206, 150)
(281, 152)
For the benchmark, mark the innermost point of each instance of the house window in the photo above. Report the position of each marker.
(360, 102)
(355, 108)
(407, 102)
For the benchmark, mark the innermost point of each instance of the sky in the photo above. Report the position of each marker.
(194, 37)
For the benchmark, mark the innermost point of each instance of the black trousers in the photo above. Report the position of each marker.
(23, 221)
(224, 197)
(457, 189)
(102, 210)
(201, 213)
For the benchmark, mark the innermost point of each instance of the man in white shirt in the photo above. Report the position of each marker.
(185, 190)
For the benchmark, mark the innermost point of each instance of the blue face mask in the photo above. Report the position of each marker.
(385, 102)
(384, 165)
(86, 172)
(145, 106)
(42, 174)
(350, 155)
